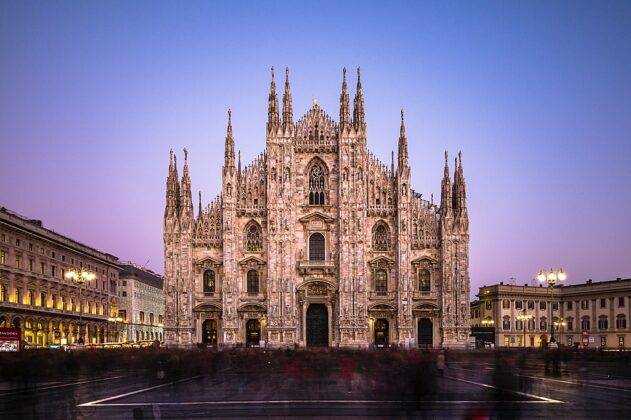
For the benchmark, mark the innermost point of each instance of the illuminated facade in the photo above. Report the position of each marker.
(141, 304)
(598, 310)
(316, 243)
(34, 293)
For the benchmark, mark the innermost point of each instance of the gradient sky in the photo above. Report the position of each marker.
(536, 94)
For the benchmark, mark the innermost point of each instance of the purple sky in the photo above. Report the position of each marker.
(536, 94)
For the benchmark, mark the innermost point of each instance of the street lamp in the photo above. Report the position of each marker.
(558, 324)
(115, 320)
(524, 318)
(487, 322)
(552, 277)
(80, 276)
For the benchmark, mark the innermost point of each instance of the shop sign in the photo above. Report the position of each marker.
(10, 339)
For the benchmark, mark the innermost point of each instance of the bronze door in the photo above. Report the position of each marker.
(209, 332)
(382, 332)
(253, 332)
(425, 333)
(317, 326)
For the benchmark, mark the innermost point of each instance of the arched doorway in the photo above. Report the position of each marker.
(252, 333)
(425, 333)
(317, 325)
(209, 332)
(382, 333)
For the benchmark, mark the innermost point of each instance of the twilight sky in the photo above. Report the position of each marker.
(536, 94)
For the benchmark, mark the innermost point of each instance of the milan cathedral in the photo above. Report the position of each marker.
(316, 243)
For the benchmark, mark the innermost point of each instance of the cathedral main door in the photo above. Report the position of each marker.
(209, 332)
(425, 333)
(381, 333)
(317, 325)
(253, 332)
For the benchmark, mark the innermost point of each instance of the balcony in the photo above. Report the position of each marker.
(382, 295)
(418, 295)
(316, 266)
(208, 296)
(252, 297)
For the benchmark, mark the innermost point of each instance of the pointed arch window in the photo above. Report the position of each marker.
(253, 281)
(209, 281)
(424, 280)
(316, 185)
(253, 241)
(381, 238)
(381, 282)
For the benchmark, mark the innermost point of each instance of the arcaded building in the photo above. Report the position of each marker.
(316, 242)
(35, 294)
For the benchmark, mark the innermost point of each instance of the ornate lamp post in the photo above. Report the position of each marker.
(80, 276)
(558, 324)
(553, 278)
(115, 320)
(524, 318)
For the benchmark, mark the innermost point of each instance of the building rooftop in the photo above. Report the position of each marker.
(143, 274)
(35, 227)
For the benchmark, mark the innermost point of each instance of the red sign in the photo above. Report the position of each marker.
(10, 339)
(585, 338)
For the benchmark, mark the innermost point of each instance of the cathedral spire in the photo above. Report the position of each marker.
(345, 113)
(459, 191)
(403, 144)
(358, 105)
(288, 113)
(445, 191)
(239, 164)
(186, 199)
(199, 211)
(172, 189)
(229, 150)
(272, 110)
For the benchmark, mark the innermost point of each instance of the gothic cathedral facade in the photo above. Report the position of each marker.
(316, 243)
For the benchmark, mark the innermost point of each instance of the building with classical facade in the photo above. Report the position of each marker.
(35, 294)
(598, 311)
(316, 242)
(141, 304)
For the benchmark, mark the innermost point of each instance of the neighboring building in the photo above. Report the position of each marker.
(141, 307)
(34, 293)
(317, 243)
(598, 311)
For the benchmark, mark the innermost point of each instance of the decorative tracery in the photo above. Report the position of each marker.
(253, 240)
(381, 238)
(424, 280)
(316, 185)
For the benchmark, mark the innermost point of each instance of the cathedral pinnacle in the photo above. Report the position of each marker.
(358, 110)
(229, 150)
(445, 190)
(403, 144)
(288, 113)
(273, 118)
(345, 114)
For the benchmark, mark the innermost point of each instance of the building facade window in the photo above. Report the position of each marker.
(381, 282)
(316, 185)
(531, 304)
(381, 238)
(570, 324)
(253, 281)
(506, 323)
(555, 306)
(585, 324)
(621, 322)
(209, 281)
(18, 295)
(3, 293)
(18, 261)
(519, 304)
(424, 280)
(569, 306)
(542, 305)
(603, 323)
(603, 303)
(31, 264)
(253, 240)
(3, 257)
(488, 305)
(543, 324)
(316, 247)
(531, 325)
(621, 302)
(519, 324)
(506, 304)
(584, 304)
